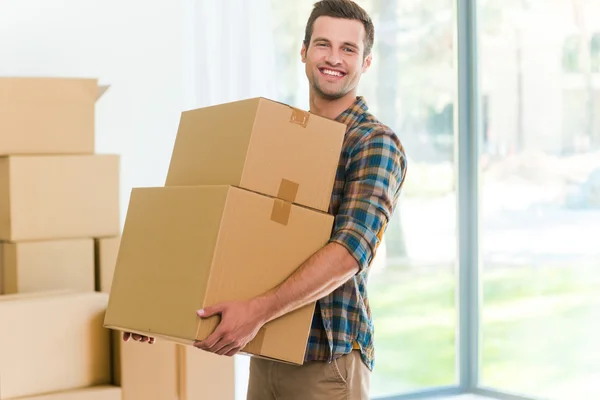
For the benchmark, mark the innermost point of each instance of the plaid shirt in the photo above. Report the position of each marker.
(369, 176)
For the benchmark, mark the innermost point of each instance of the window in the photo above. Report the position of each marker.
(540, 198)
(531, 292)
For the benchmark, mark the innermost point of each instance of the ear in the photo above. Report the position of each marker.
(367, 62)
(303, 52)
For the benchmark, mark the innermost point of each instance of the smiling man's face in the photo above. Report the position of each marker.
(335, 57)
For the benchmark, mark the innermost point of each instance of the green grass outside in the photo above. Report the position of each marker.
(539, 330)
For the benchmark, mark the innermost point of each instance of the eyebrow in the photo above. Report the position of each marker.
(350, 44)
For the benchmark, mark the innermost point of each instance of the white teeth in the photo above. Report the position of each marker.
(332, 73)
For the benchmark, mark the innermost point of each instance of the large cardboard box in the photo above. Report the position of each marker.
(260, 145)
(106, 250)
(170, 371)
(59, 197)
(105, 392)
(52, 342)
(47, 115)
(185, 248)
(47, 265)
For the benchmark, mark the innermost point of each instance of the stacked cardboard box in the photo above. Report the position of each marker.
(56, 196)
(244, 205)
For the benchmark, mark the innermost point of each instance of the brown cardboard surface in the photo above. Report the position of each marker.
(148, 371)
(205, 375)
(47, 265)
(59, 197)
(47, 115)
(52, 342)
(165, 370)
(106, 250)
(92, 393)
(255, 144)
(184, 248)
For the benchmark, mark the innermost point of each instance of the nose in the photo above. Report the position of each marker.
(333, 57)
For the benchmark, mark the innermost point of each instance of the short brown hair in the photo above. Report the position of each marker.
(341, 9)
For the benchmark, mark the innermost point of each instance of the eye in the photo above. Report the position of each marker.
(349, 49)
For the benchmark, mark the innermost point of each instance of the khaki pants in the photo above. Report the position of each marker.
(346, 378)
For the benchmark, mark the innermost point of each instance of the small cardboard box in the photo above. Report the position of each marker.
(53, 341)
(106, 250)
(105, 392)
(59, 197)
(188, 247)
(170, 371)
(47, 115)
(260, 145)
(46, 265)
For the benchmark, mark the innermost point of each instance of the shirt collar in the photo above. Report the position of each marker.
(353, 114)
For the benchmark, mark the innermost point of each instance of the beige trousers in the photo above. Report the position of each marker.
(346, 378)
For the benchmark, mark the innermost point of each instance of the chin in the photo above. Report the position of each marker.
(329, 95)
(333, 95)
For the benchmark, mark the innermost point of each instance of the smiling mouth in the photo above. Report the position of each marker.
(331, 73)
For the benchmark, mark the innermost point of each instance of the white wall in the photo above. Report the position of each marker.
(160, 57)
(143, 49)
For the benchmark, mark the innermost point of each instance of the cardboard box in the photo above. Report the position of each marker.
(169, 371)
(58, 197)
(48, 115)
(106, 250)
(147, 371)
(260, 145)
(47, 265)
(204, 375)
(92, 393)
(184, 248)
(52, 342)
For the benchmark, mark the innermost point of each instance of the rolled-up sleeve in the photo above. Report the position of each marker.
(375, 172)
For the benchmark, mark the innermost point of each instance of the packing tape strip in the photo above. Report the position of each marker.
(299, 117)
(280, 212)
(288, 190)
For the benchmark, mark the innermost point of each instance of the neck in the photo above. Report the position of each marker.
(330, 108)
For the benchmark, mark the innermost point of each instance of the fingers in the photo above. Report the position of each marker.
(232, 347)
(210, 311)
(220, 343)
(137, 338)
(221, 347)
(233, 352)
(208, 343)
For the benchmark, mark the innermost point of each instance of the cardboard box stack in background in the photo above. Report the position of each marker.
(56, 197)
(59, 240)
(244, 205)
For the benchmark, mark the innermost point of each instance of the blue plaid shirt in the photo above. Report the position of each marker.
(369, 176)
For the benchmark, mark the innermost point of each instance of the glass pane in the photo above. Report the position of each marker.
(540, 196)
(411, 87)
(412, 286)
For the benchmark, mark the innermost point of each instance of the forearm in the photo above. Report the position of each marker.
(320, 275)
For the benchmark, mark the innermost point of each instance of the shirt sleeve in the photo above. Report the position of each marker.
(374, 175)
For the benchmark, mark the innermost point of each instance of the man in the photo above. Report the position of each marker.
(340, 355)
